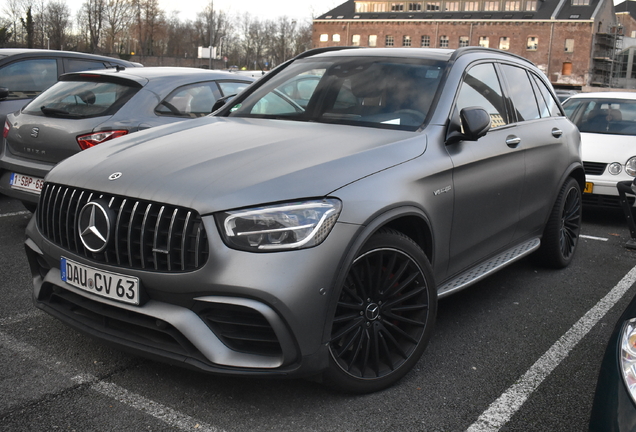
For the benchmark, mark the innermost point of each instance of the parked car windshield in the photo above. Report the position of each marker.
(81, 99)
(367, 91)
(607, 116)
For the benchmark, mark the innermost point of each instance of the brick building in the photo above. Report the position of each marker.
(572, 41)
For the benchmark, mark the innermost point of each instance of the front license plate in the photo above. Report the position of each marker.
(27, 183)
(589, 187)
(103, 283)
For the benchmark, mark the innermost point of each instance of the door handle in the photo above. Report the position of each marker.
(557, 133)
(513, 141)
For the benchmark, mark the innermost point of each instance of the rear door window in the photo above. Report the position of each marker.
(27, 78)
(521, 93)
(193, 100)
(80, 99)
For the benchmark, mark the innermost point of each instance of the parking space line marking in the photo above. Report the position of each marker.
(161, 412)
(501, 411)
(592, 237)
(20, 213)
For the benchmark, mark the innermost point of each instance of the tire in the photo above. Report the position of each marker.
(384, 317)
(561, 233)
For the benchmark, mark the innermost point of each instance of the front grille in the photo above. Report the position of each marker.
(144, 235)
(594, 168)
(241, 329)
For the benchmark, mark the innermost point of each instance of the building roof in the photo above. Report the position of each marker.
(626, 6)
(546, 9)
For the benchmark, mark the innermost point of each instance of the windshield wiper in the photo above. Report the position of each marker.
(57, 112)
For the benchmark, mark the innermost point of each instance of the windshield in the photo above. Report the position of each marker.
(374, 91)
(81, 99)
(607, 116)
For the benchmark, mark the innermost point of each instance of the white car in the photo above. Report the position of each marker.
(607, 121)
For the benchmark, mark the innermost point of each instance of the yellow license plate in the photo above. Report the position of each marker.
(589, 187)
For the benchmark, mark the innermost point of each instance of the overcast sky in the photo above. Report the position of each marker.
(264, 9)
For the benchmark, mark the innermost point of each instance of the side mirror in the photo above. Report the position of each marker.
(221, 102)
(4, 93)
(475, 122)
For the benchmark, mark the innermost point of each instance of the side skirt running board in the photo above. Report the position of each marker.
(488, 267)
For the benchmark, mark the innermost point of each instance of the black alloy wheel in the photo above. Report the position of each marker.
(561, 233)
(384, 316)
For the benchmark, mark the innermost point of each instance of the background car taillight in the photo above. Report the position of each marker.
(90, 140)
(7, 126)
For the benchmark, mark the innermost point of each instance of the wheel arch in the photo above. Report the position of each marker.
(409, 220)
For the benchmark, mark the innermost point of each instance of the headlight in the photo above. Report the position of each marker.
(286, 226)
(628, 356)
(630, 167)
(614, 168)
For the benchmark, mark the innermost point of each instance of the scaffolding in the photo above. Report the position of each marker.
(606, 46)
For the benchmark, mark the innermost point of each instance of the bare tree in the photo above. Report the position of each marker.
(149, 23)
(94, 12)
(13, 10)
(58, 16)
(117, 20)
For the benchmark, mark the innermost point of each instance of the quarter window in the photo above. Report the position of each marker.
(549, 107)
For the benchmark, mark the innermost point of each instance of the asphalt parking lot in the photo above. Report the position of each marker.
(519, 351)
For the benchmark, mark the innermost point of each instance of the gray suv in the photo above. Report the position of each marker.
(284, 239)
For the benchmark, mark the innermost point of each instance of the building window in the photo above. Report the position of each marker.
(504, 43)
(531, 5)
(397, 7)
(432, 6)
(491, 6)
(373, 40)
(335, 38)
(389, 41)
(567, 68)
(415, 7)
(443, 41)
(362, 7)
(355, 40)
(451, 6)
(569, 45)
(426, 41)
(406, 41)
(471, 6)
(324, 38)
(483, 41)
(533, 44)
(379, 7)
(463, 41)
(580, 2)
(512, 5)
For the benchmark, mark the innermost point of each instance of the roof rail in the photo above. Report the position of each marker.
(315, 51)
(467, 50)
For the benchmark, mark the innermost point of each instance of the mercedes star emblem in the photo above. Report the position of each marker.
(114, 176)
(94, 227)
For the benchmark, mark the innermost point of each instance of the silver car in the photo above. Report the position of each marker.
(85, 109)
(276, 238)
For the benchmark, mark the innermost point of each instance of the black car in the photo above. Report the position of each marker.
(25, 73)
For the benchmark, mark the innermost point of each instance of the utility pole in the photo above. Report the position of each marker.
(211, 21)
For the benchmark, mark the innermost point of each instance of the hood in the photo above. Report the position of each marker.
(218, 163)
(607, 148)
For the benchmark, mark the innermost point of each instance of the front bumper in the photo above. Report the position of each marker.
(241, 313)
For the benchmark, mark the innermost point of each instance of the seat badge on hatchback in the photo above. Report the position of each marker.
(35, 132)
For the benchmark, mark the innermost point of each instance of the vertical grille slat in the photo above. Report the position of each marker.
(144, 235)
